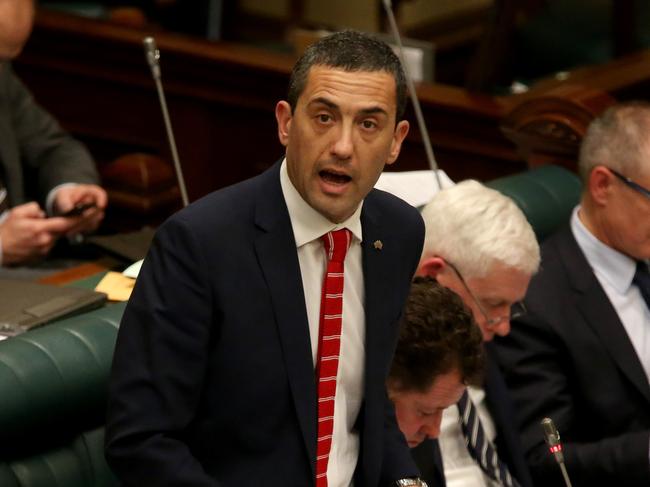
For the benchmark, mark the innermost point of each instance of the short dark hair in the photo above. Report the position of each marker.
(351, 51)
(437, 335)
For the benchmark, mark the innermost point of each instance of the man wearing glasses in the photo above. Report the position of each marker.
(480, 245)
(582, 353)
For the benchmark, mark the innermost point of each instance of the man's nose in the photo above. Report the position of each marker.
(343, 145)
(432, 428)
(502, 328)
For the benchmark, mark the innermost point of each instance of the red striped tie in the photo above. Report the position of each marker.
(329, 344)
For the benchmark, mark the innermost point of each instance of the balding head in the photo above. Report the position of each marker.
(615, 168)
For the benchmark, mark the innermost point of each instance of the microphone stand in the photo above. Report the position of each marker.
(552, 437)
(153, 56)
(411, 89)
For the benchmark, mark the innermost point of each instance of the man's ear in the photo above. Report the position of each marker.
(600, 184)
(399, 135)
(431, 266)
(283, 116)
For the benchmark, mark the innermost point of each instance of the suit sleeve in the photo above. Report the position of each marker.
(159, 366)
(398, 462)
(538, 374)
(49, 155)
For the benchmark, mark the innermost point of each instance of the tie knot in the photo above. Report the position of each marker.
(642, 275)
(337, 244)
(463, 402)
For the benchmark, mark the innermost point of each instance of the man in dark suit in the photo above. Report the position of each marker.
(480, 245)
(581, 355)
(43, 171)
(439, 352)
(214, 379)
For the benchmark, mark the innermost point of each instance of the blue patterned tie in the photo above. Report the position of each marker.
(480, 447)
(642, 280)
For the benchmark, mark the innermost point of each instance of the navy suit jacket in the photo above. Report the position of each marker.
(213, 380)
(427, 455)
(571, 359)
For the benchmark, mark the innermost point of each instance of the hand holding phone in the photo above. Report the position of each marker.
(78, 209)
(81, 205)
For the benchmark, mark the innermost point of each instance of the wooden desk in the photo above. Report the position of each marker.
(75, 273)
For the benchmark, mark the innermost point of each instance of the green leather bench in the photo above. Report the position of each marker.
(52, 402)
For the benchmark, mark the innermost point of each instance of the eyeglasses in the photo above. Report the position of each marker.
(517, 310)
(628, 182)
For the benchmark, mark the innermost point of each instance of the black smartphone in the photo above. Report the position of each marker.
(78, 209)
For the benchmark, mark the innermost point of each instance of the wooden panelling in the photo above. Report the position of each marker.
(93, 76)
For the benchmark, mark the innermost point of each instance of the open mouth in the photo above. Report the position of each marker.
(332, 177)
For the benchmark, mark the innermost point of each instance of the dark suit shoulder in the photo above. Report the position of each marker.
(562, 262)
(223, 206)
(555, 245)
(230, 211)
(395, 211)
(392, 204)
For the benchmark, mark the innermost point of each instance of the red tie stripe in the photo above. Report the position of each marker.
(329, 345)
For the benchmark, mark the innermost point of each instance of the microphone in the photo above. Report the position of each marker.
(411, 89)
(153, 56)
(552, 437)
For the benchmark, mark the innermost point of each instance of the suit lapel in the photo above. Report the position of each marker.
(502, 411)
(495, 391)
(278, 258)
(376, 307)
(599, 314)
(377, 298)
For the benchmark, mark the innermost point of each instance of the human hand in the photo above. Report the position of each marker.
(27, 235)
(67, 197)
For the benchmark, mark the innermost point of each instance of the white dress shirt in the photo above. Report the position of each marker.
(308, 227)
(615, 272)
(461, 470)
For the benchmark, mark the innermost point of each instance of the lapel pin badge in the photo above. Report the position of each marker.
(378, 245)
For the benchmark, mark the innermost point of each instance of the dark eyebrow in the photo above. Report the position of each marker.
(374, 110)
(325, 102)
(334, 106)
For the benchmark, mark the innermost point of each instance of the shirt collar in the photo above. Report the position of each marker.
(617, 268)
(307, 223)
